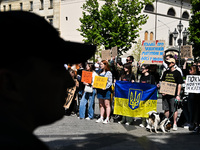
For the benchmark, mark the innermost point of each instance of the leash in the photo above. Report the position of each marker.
(176, 102)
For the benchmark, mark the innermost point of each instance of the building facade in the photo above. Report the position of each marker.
(164, 16)
(49, 9)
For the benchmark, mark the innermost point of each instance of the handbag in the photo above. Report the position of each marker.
(88, 89)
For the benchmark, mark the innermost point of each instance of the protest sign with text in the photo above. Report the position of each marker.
(100, 82)
(152, 52)
(86, 77)
(186, 51)
(114, 51)
(168, 88)
(105, 54)
(192, 84)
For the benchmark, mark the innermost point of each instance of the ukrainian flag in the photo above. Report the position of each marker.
(134, 99)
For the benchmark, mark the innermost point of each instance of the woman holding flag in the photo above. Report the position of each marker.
(146, 78)
(127, 76)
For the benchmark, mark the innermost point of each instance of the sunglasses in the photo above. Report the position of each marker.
(199, 66)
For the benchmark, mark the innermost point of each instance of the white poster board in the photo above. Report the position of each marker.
(192, 84)
(152, 52)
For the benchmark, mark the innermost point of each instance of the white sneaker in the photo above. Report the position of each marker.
(87, 118)
(175, 128)
(141, 125)
(127, 123)
(106, 121)
(99, 120)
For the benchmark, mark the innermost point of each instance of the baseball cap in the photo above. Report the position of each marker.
(27, 34)
(171, 60)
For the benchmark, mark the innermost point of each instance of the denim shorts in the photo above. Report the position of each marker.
(103, 94)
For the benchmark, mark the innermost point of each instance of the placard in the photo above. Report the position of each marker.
(114, 51)
(152, 52)
(86, 77)
(186, 51)
(167, 88)
(192, 84)
(105, 55)
(100, 82)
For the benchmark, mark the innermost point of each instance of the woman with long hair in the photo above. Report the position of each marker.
(88, 96)
(127, 76)
(104, 94)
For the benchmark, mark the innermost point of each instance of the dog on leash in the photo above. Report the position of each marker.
(158, 121)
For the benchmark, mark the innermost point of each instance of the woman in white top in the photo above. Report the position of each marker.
(104, 94)
(89, 95)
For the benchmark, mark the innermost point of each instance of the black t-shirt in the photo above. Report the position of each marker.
(147, 79)
(173, 77)
(128, 77)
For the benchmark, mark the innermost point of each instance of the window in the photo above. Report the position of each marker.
(51, 4)
(4, 7)
(185, 15)
(171, 39)
(146, 35)
(41, 4)
(149, 7)
(184, 40)
(51, 21)
(10, 7)
(171, 12)
(151, 36)
(21, 6)
(31, 5)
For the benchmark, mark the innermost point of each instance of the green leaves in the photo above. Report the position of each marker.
(116, 23)
(195, 27)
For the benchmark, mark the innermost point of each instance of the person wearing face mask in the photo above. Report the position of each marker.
(146, 77)
(169, 104)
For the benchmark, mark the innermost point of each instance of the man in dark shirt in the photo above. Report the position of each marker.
(33, 80)
(169, 104)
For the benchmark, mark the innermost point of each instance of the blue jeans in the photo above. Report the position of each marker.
(87, 97)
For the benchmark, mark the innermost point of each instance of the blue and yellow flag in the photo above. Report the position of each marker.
(134, 99)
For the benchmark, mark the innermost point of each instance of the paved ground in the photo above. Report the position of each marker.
(71, 133)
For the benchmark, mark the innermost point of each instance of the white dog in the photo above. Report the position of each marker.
(158, 121)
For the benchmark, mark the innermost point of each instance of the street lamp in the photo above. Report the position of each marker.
(180, 41)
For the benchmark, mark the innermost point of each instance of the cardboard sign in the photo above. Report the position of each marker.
(167, 88)
(152, 52)
(105, 55)
(192, 84)
(114, 51)
(86, 77)
(100, 82)
(186, 51)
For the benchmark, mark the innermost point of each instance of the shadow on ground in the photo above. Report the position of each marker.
(124, 142)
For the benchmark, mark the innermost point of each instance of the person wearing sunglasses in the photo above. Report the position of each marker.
(169, 104)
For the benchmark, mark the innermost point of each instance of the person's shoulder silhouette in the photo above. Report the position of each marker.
(33, 80)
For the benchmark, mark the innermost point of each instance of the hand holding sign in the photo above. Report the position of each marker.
(100, 82)
(86, 77)
(167, 88)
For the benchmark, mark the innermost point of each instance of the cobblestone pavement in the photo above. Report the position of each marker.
(71, 133)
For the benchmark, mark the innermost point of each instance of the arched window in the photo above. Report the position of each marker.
(146, 35)
(151, 36)
(149, 7)
(171, 12)
(185, 15)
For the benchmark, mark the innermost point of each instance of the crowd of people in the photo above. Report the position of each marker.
(133, 71)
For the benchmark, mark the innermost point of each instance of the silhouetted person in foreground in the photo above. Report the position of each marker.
(33, 80)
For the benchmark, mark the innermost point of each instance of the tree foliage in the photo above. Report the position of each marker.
(195, 27)
(116, 23)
